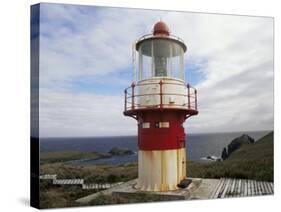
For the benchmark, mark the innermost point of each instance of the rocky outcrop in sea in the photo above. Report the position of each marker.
(117, 151)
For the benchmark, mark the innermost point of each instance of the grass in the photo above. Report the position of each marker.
(92, 174)
(139, 198)
(56, 196)
(251, 161)
(64, 156)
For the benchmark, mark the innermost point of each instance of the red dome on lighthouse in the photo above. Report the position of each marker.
(161, 28)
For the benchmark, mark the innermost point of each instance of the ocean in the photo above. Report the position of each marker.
(197, 145)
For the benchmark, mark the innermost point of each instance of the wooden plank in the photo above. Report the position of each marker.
(259, 187)
(227, 185)
(217, 189)
(239, 189)
(231, 192)
(245, 188)
(266, 187)
(255, 188)
(236, 188)
(271, 187)
(263, 188)
(226, 188)
(249, 193)
(252, 188)
(222, 188)
(249, 188)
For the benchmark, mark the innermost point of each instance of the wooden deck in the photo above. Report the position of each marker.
(228, 187)
(210, 188)
(68, 181)
(79, 182)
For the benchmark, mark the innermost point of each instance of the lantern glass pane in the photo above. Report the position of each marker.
(160, 58)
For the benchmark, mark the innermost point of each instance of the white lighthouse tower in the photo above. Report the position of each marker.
(160, 101)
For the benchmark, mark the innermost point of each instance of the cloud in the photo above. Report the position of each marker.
(66, 114)
(230, 59)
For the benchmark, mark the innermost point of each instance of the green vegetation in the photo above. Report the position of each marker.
(55, 196)
(64, 156)
(92, 174)
(139, 198)
(250, 161)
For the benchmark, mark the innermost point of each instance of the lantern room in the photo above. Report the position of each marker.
(160, 56)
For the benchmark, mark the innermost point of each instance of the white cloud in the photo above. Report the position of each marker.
(66, 114)
(236, 53)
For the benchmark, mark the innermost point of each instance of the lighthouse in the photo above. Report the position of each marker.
(160, 100)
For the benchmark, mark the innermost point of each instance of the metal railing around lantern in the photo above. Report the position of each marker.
(132, 103)
(171, 36)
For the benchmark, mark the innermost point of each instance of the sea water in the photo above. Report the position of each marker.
(197, 145)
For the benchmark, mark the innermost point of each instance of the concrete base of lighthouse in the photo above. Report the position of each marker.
(127, 190)
(161, 170)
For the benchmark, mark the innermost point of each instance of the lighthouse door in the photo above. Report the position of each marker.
(181, 157)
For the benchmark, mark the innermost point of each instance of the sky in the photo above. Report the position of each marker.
(86, 62)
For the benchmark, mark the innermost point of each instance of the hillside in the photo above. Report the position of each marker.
(250, 161)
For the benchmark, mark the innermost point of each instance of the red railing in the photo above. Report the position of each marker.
(131, 97)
